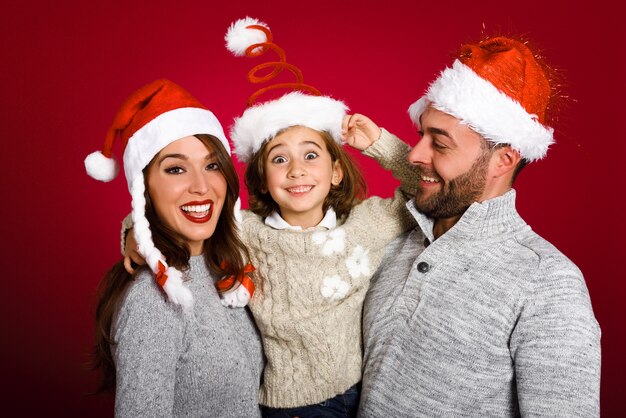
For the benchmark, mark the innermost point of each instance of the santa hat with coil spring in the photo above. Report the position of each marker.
(499, 89)
(306, 107)
(150, 119)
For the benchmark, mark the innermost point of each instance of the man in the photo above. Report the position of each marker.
(472, 313)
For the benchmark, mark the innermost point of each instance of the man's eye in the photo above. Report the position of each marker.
(310, 155)
(174, 170)
(438, 145)
(279, 160)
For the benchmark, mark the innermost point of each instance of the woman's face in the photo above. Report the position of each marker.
(188, 190)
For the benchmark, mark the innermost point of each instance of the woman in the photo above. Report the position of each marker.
(164, 342)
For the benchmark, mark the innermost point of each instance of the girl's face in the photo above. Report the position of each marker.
(299, 173)
(188, 190)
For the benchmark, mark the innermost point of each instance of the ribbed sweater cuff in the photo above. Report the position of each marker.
(302, 396)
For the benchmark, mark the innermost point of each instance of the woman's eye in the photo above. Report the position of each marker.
(174, 170)
(213, 167)
(310, 155)
(279, 160)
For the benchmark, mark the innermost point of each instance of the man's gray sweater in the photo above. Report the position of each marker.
(490, 319)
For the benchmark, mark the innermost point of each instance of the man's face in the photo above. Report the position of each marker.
(453, 161)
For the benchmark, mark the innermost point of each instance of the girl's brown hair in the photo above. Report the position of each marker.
(342, 198)
(223, 246)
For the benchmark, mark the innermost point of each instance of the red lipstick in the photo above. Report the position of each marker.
(195, 216)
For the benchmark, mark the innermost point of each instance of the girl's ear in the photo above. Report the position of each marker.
(337, 174)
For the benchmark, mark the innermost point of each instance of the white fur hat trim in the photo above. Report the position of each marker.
(165, 129)
(263, 121)
(462, 93)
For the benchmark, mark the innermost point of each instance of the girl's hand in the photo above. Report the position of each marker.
(131, 255)
(359, 131)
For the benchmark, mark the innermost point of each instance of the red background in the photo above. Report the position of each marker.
(67, 66)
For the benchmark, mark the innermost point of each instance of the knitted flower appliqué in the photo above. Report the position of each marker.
(334, 288)
(359, 262)
(331, 241)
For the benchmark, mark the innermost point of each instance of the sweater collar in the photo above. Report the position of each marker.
(277, 222)
(481, 220)
(197, 265)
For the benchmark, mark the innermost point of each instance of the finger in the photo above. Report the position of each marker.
(128, 265)
(345, 123)
(354, 120)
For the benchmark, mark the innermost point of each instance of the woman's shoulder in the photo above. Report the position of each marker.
(144, 313)
(144, 293)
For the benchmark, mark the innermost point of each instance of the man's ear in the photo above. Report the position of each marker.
(337, 174)
(504, 160)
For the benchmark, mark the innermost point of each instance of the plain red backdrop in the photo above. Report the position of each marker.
(67, 66)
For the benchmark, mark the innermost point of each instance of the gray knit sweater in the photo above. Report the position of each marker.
(308, 304)
(489, 320)
(168, 364)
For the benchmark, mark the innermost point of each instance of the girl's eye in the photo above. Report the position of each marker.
(213, 167)
(279, 160)
(310, 155)
(174, 170)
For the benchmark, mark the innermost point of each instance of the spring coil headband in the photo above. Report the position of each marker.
(304, 106)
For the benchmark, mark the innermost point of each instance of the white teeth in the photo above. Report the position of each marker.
(299, 189)
(430, 179)
(197, 208)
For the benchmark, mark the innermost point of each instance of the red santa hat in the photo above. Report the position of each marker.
(499, 89)
(305, 106)
(150, 119)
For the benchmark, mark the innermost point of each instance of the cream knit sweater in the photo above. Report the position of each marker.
(309, 298)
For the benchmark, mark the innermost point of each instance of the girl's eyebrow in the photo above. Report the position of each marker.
(312, 143)
(304, 142)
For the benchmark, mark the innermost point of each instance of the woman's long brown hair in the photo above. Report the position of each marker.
(223, 246)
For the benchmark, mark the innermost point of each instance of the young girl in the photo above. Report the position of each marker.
(314, 244)
(172, 356)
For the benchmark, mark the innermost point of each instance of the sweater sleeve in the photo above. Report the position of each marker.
(148, 335)
(388, 218)
(555, 347)
(391, 153)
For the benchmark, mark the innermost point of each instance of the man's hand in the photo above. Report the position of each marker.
(131, 255)
(359, 131)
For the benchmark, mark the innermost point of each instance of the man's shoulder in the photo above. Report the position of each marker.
(548, 254)
(548, 263)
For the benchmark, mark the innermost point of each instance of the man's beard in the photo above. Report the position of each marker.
(457, 195)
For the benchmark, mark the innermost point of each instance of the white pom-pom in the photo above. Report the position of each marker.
(239, 37)
(100, 167)
(235, 298)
